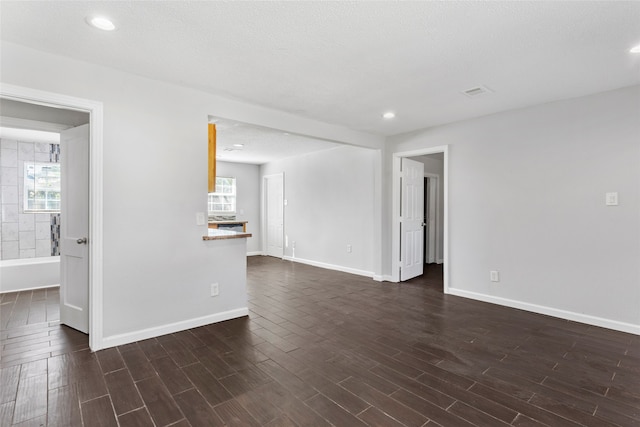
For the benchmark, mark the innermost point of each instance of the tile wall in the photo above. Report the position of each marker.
(25, 235)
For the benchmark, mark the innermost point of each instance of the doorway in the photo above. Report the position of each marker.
(431, 218)
(56, 101)
(45, 159)
(440, 252)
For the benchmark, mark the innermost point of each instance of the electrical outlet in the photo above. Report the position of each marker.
(200, 218)
(215, 289)
(348, 249)
(494, 276)
(611, 199)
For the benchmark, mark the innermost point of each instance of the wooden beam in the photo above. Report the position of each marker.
(212, 157)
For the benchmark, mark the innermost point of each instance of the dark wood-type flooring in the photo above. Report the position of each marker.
(324, 348)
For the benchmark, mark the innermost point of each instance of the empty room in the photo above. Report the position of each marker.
(301, 213)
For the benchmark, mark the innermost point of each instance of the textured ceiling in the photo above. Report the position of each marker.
(347, 62)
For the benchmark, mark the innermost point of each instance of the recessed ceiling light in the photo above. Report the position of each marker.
(238, 145)
(635, 49)
(101, 23)
(389, 115)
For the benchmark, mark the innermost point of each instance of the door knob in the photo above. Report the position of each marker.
(82, 241)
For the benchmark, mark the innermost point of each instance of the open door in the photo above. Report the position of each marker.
(74, 228)
(411, 219)
(274, 209)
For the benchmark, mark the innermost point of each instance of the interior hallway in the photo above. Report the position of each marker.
(319, 348)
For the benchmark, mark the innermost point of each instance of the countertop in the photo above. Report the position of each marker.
(216, 234)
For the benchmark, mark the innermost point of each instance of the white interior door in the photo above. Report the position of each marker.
(274, 210)
(411, 219)
(74, 228)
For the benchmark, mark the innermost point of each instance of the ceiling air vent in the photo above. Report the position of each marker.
(476, 92)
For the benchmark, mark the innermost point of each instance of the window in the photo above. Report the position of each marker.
(223, 201)
(41, 187)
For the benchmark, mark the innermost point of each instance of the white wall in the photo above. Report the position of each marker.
(247, 198)
(527, 197)
(157, 269)
(330, 204)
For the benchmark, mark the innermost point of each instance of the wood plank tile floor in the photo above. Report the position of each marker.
(324, 348)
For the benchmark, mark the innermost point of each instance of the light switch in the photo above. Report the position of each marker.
(611, 199)
(200, 218)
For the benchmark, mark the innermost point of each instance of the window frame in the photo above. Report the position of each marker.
(223, 197)
(29, 203)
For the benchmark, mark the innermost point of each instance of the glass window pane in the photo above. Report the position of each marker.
(42, 187)
(224, 198)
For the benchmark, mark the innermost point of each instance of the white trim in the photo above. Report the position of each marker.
(383, 278)
(549, 311)
(95, 110)
(396, 190)
(378, 225)
(170, 328)
(254, 253)
(331, 266)
(395, 217)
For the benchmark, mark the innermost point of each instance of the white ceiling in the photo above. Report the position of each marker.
(261, 145)
(17, 114)
(347, 62)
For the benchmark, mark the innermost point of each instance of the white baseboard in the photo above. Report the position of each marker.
(383, 278)
(255, 253)
(144, 334)
(549, 311)
(330, 266)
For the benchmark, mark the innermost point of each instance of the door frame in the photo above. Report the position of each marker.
(395, 202)
(96, 238)
(264, 214)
